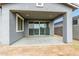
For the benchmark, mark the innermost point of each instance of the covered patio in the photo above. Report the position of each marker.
(40, 40)
(39, 27)
(32, 24)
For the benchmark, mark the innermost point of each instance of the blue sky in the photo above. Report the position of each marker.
(74, 13)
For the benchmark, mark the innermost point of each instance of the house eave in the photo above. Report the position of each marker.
(74, 6)
(71, 5)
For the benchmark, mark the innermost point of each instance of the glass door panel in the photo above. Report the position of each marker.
(47, 29)
(42, 28)
(36, 28)
(31, 28)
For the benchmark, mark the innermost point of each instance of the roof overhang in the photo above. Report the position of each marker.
(71, 5)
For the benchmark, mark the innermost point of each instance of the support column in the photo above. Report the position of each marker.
(51, 28)
(67, 28)
(5, 27)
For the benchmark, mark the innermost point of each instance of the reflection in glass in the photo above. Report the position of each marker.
(31, 26)
(38, 28)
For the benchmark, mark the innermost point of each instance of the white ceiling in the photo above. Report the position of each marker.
(39, 14)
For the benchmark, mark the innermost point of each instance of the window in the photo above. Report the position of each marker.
(75, 22)
(19, 23)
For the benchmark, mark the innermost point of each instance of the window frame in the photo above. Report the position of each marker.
(21, 18)
(76, 22)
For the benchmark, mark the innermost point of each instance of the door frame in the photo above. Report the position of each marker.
(39, 27)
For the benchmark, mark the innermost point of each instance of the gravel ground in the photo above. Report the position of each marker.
(46, 50)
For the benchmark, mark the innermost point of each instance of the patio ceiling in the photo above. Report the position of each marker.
(39, 14)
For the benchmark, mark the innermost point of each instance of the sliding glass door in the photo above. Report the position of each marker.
(44, 28)
(31, 28)
(38, 28)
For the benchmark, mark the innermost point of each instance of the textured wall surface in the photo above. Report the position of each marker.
(13, 34)
(0, 18)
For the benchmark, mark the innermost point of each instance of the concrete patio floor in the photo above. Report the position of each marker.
(40, 40)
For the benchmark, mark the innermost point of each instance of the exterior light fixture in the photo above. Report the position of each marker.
(39, 4)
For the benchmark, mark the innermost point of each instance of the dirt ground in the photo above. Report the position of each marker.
(46, 50)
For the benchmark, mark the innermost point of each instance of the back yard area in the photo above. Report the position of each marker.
(45, 50)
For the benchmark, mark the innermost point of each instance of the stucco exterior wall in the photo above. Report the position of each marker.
(14, 36)
(0, 24)
(26, 28)
(8, 19)
(67, 28)
(5, 26)
(32, 6)
(51, 27)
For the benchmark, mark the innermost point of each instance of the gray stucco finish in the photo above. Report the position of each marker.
(26, 29)
(9, 20)
(0, 18)
(13, 34)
